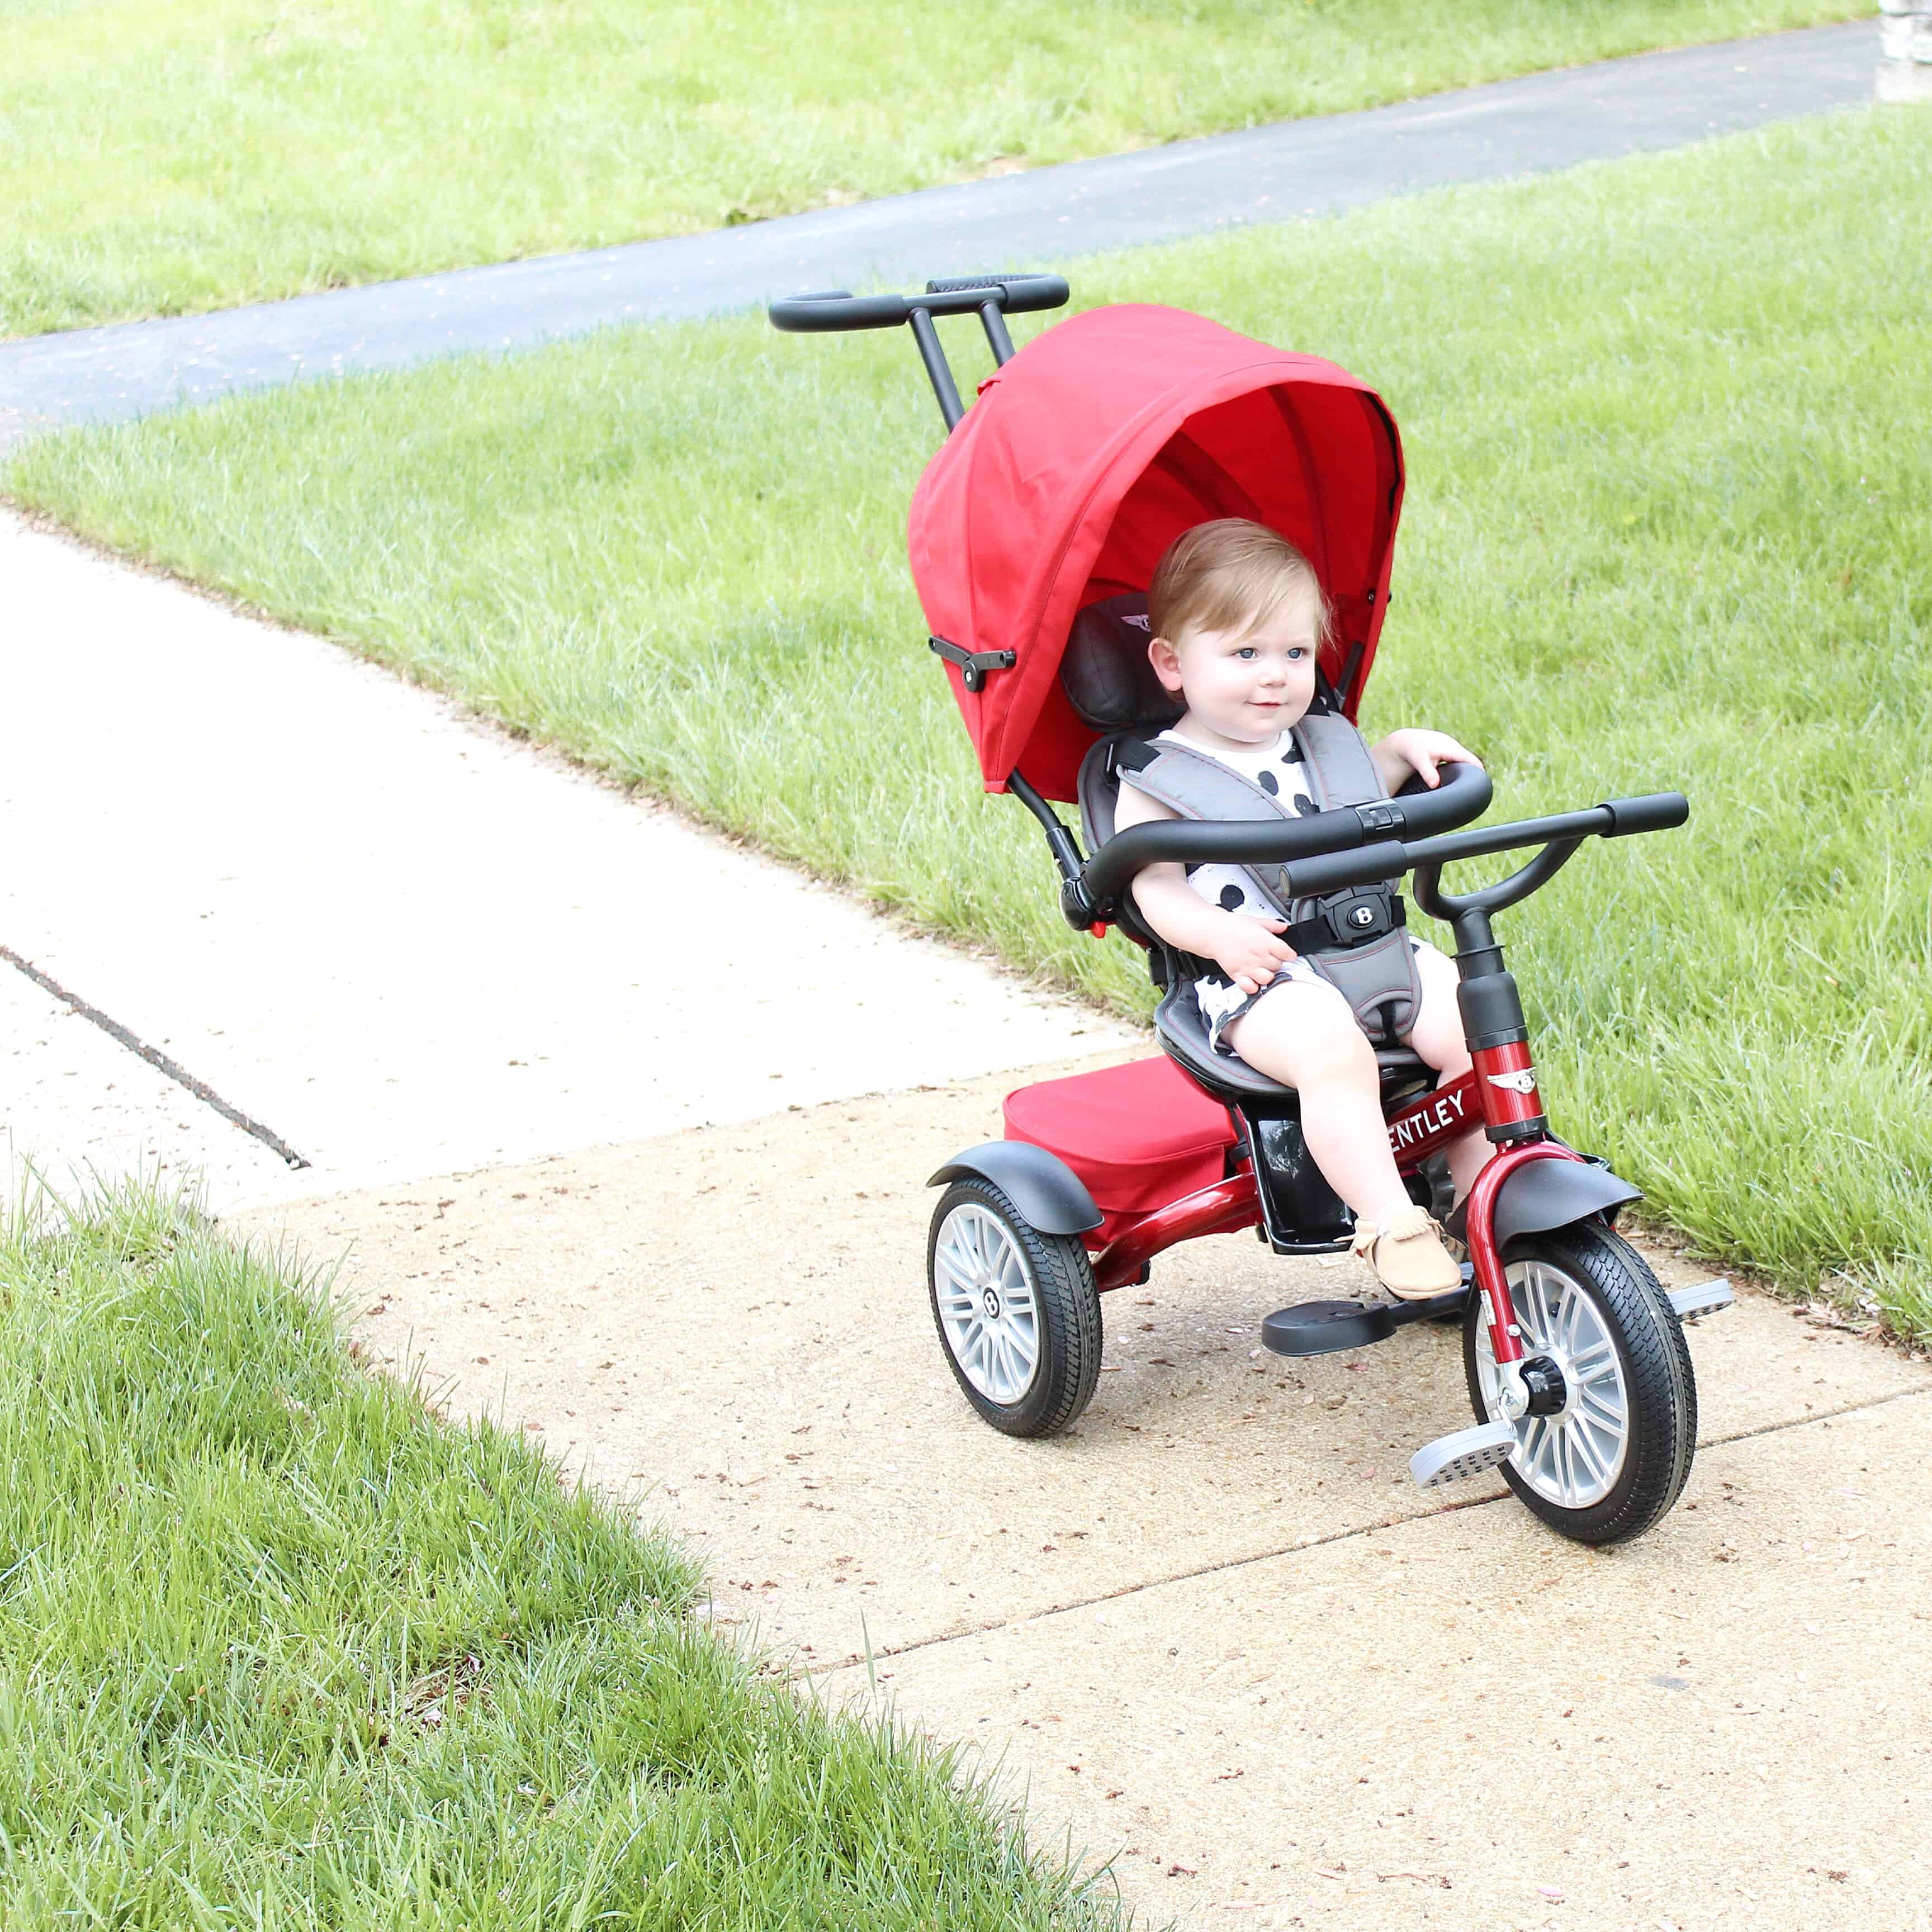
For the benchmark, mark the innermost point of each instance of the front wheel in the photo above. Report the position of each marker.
(1018, 1312)
(1612, 1451)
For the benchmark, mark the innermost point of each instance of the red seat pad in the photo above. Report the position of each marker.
(1139, 1135)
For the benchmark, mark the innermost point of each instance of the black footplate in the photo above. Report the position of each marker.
(1323, 1327)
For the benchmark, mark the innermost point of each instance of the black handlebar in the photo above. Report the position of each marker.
(1464, 794)
(1334, 871)
(832, 310)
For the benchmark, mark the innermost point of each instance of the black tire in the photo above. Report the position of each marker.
(1653, 1383)
(1065, 1328)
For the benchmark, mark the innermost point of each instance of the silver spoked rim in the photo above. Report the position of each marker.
(1575, 1456)
(988, 1312)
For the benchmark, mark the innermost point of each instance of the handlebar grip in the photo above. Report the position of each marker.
(1655, 811)
(1017, 295)
(830, 310)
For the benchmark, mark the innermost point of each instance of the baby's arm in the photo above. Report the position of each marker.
(1248, 950)
(1402, 753)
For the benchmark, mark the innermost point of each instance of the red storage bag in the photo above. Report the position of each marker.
(1140, 1135)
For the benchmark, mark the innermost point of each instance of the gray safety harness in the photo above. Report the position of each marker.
(1356, 939)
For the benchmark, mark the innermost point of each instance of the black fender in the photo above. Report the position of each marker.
(1040, 1184)
(1542, 1194)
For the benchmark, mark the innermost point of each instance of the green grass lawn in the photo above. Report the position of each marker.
(159, 157)
(1669, 425)
(278, 1649)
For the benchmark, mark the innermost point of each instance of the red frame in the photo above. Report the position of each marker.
(1499, 1091)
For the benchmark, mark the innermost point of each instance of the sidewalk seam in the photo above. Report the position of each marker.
(1322, 1542)
(155, 1058)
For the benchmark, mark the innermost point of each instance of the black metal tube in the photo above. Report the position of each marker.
(1505, 892)
(998, 339)
(938, 371)
(1332, 872)
(1065, 848)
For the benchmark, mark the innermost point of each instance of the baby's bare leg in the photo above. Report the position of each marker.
(1437, 1035)
(1304, 1036)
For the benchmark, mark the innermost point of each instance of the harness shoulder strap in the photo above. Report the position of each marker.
(1337, 757)
(1192, 783)
(1197, 786)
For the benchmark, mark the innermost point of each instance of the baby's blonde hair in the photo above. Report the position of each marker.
(1228, 574)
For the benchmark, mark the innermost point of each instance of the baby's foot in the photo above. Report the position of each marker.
(1407, 1255)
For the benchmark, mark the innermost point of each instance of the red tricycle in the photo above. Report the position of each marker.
(1034, 534)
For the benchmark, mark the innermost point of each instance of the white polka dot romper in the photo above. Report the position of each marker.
(1276, 769)
(1278, 772)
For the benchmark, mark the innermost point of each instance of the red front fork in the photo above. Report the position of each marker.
(1504, 1077)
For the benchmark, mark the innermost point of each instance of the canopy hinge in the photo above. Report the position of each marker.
(973, 665)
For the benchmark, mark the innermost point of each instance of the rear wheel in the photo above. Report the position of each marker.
(1017, 1310)
(1612, 1453)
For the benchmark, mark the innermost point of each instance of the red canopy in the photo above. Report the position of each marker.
(1095, 446)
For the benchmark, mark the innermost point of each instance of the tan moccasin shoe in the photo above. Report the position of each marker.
(1407, 1255)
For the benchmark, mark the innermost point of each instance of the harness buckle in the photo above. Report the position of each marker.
(1360, 914)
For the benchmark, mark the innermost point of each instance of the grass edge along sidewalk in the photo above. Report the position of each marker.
(279, 1645)
(173, 160)
(1666, 439)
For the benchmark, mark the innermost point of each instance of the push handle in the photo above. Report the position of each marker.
(991, 297)
(831, 311)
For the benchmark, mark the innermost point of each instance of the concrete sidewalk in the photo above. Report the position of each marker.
(394, 941)
(642, 1198)
(1214, 1633)
(1039, 218)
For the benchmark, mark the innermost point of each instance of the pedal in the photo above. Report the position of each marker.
(1467, 1452)
(1708, 1297)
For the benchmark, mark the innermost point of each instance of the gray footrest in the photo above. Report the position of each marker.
(1468, 1453)
(1692, 1304)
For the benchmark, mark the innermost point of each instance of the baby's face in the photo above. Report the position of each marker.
(1248, 684)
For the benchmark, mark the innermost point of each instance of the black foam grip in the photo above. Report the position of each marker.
(1656, 811)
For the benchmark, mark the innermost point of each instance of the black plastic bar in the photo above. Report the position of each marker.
(998, 339)
(1532, 878)
(938, 371)
(1065, 847)
(1332, 872)
(1464, 793)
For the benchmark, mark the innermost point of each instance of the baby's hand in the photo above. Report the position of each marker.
(1423, 752)
(1252, 952)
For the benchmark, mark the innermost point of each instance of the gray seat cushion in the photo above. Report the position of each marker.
(1184, 1033)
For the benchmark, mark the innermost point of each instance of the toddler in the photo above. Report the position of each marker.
(1238, 616)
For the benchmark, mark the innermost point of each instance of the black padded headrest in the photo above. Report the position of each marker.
(1105, 670)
